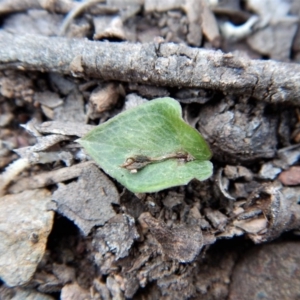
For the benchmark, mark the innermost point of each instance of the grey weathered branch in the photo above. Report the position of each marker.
(162, 64)
(59, 6)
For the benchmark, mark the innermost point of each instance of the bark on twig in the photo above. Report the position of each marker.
(74, 12)
(48, 178)
(55, 6)
(154, 64)
(58, 6)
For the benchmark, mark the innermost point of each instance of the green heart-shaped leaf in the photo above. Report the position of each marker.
(150, 148)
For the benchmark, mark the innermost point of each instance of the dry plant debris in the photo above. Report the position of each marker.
(68, 231)
(87, 202)
(117, 236)
(182, 243)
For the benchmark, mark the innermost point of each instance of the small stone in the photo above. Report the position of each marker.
(290, 176)
(74, 291)
(72, 109)
(288, 158)
(231, 172)
(103, 98)
(25, 224)
(268, 171)
(108, 27)
(48, 99)
(217, 219)
(133, 100)
(173, 199)
(269, 271)
(64, 273)
(245, 173)
(5, 119)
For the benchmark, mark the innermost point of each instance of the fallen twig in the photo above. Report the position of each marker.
(58, 6)
(163, 64)
(74, 12)
(11, 172)
(48, 178)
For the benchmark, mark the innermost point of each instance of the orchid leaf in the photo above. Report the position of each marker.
(150, 148)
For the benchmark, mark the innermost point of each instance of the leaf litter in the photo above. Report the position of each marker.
(254, 141)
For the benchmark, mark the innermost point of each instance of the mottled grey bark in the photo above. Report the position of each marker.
(12, 6)
(163, 64)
